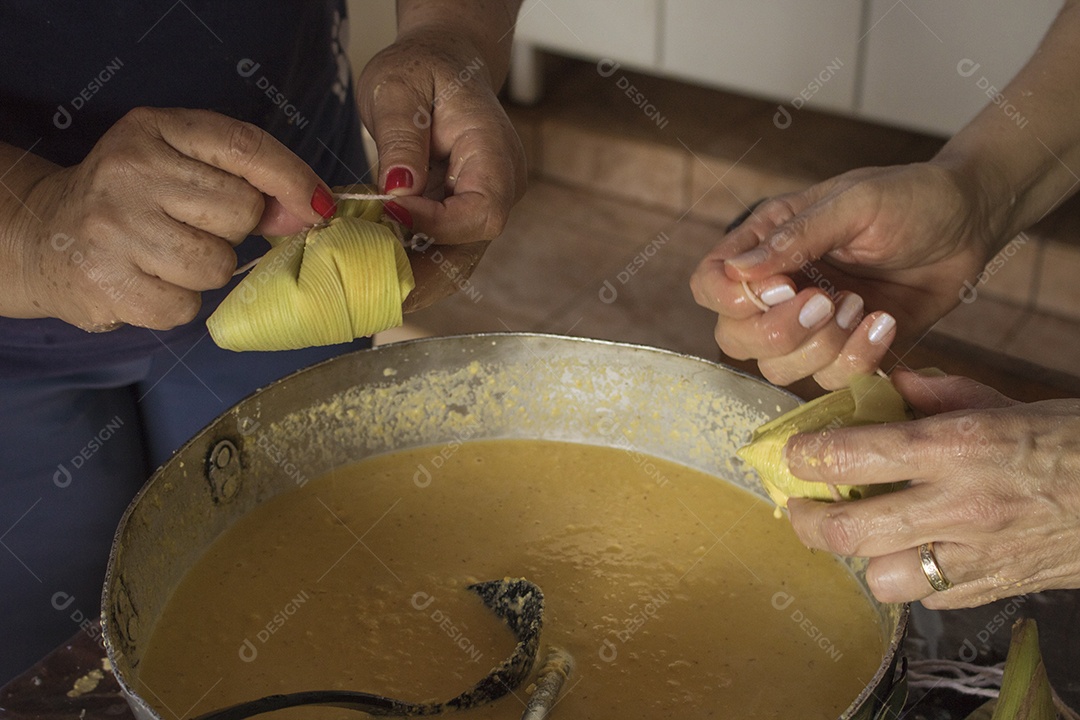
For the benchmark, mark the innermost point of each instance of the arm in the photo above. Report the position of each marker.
(896, 244)
(1025, 172)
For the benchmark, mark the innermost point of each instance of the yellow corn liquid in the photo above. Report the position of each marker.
(679, 595)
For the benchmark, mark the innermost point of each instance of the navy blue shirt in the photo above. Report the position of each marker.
(69, 71)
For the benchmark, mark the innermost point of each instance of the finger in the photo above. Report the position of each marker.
(805, 235)
(777, 332)
(187, 257)
(150, 302)
(820, 349)
(488, 180)
(244, 150)
(713, 289)
(211, 199)
(936, 395)
(873, 526)
(898, 577)
(400, 117)
(877, 453)
(860, 354)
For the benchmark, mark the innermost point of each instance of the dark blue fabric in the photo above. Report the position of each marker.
(71, 70)
(85, 417)
(76, 450)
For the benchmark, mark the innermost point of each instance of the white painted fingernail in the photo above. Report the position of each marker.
(776, 295)
(815, 310)
(750, 258)
(848, 312)
(881, 327)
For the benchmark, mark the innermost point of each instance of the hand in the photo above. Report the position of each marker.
(895, 246)
(135, 231)
(446, 149)
(995, 485)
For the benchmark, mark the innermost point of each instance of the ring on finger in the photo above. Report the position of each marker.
(931, 569)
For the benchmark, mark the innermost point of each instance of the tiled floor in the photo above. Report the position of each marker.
(619, 211)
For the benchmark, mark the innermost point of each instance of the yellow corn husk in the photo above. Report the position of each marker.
(330, 284)
(869, 399)
(1025, 690)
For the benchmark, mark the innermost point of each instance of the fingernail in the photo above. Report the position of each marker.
(815, 310)
(398, 213)
(323, 203)
(398, 178)
(849, 311)
(750, 258)
(776, 295)
(881, 328)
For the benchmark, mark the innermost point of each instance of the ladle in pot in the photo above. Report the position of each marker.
(517, 601)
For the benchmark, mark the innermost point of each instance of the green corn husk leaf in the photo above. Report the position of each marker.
(869, 399)
(1025, 690)
(328, 285)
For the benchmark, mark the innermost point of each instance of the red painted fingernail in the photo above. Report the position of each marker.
(398, 213)
(398, 177)
(323, 203)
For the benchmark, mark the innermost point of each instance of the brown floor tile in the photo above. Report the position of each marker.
(1059, 283)
(986, 322)
(720, 189)
(546, 201)
(646, 297)
(558, 244)
(1048, 341)
(1011, 276)
(646, 173)
(404, 332)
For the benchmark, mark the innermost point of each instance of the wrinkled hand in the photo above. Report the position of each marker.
(148, 219)
(995, 485)
(844, 267)
(446, 149)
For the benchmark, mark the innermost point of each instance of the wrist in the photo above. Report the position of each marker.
(473, 39)
(23, 232)
(991, 199)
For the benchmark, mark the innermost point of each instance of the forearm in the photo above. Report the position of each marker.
(487, 24)
(1026, 162)
(20, 171)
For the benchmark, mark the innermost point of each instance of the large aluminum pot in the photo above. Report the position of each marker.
(430, 392)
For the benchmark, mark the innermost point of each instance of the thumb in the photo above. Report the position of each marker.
(401, 118)
(936, 395)
(797, 229)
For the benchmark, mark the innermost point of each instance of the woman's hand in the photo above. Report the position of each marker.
(845, 267)
(995, 485)
(446, 149)
(149, 219)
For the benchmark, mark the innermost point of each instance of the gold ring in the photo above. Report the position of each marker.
(931, 569)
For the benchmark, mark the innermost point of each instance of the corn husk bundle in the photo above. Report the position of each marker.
(869, 399)
(330, 284)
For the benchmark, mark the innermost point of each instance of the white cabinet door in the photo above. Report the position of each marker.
(930, 64)
(622, 30)
(780, 50)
